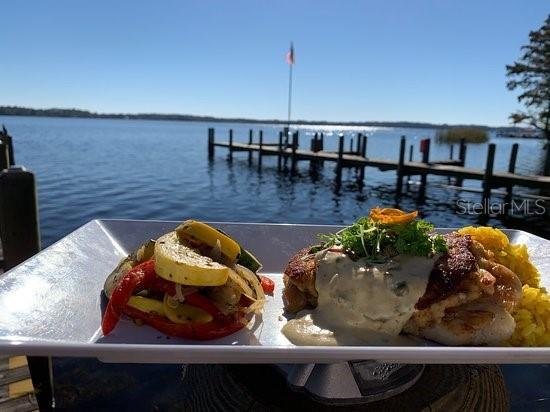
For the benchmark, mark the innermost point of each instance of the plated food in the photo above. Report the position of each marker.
(389, 275)
(195, 282)
(388, 279)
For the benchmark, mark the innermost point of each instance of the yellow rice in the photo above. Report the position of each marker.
(532, 314)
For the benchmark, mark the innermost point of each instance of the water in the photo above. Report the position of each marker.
(132, 169)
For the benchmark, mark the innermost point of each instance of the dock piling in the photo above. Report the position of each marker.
(211, 143)
(230, 155)
(294, 159)
(451, 155)
(280, 152)
(18, 216)
(313, 143)
(261, 143)
(8, 141)
(461, 158)
(407, 183)
(340, 157)
(314, 147)
(425, 145)
(4, 156)
(488, 175)
(400, 163)
(359, 140)
(462, 152)
(250, 140)
(511, 169)
(322, 147)
(363, 154)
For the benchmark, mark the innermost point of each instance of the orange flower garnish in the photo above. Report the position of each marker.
(387, 215)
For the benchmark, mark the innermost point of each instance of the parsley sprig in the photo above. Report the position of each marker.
(367, 238)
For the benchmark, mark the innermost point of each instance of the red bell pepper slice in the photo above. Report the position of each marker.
(267, 284)
(140, 276)
(202, 302)
(217, 328)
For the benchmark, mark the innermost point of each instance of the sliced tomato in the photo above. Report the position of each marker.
(267, 284)
(219, 327)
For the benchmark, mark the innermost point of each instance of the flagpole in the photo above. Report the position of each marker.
(289, 94)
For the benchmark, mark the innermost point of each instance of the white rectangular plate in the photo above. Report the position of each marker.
(52, 305)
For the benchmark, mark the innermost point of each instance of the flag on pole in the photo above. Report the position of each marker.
(290, 55)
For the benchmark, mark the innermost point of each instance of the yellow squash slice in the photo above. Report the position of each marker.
(180, 264)
(198, 231)
(183, 313)
(147, 305)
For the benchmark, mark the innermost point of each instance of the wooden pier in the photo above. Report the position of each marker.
(288, 149)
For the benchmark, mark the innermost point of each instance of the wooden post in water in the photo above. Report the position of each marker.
(351, 145)
(294, 147)
(462, 152)
(488, 176)
(511, 169)
(340, 157)
(322, 147)
(400, 163)
(363, 154)
(451, 155)
(4, 156)
(279, 155)
(261, 143)
(230, 155)
(364, 146)
(18, 216)
(211, 143)
(359, 140)
(313, 147)
(462, 158)
(6, 138)
(250, 139)
(407, 183)
(425, 159)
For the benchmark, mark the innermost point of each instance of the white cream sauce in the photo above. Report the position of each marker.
(361, 302)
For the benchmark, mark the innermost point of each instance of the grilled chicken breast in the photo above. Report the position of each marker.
(299, 280)
(467, 301)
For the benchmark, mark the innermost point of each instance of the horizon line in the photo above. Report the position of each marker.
(84, 113)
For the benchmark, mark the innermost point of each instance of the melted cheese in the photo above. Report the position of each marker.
(361, 302)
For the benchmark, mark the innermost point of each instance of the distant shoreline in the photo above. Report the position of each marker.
(76, 113)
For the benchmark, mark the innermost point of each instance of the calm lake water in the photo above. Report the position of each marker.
(133, 169)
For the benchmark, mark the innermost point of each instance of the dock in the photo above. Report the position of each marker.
(287, 149)
(16, 388)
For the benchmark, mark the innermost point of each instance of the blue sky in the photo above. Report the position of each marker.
(424, 60)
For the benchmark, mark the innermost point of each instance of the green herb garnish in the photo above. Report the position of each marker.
(367, 238)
